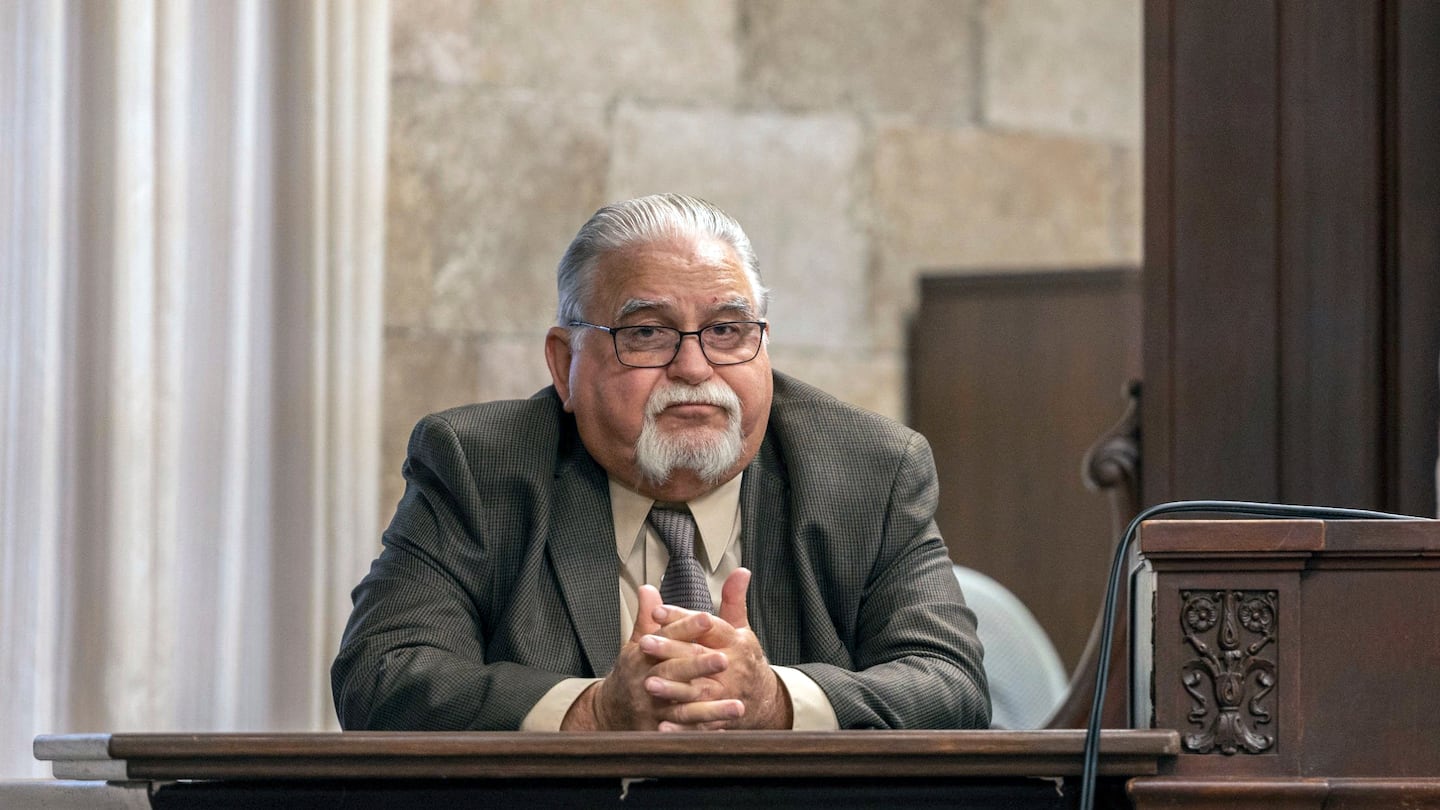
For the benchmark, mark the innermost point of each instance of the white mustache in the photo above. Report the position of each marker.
(710, 392)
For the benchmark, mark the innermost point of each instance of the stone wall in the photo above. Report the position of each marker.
(860, 142)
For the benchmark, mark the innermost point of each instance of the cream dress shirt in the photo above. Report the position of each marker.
(643, 558)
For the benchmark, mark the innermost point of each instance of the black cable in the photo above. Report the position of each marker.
(1112, 588)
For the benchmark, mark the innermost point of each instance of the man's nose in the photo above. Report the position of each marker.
(690, 364)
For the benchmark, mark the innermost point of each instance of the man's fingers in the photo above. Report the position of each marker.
(668, 649)
(675, 691)
(644, 617)
(733, 608)
(682, 624)
(719, 712)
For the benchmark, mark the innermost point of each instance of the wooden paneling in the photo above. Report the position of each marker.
(1156, 416)
(1221, 283)
(1292, 268)
(1329, 196)
(1412, 243)
(1012, 378)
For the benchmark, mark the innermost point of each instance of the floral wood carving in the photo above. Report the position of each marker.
(1229, 679)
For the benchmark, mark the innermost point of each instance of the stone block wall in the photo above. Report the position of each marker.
(860, 143)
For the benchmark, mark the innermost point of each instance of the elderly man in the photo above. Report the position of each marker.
(518, 584)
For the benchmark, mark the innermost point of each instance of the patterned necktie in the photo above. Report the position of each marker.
(685, 584)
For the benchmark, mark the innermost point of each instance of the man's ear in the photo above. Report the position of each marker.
(558, 354)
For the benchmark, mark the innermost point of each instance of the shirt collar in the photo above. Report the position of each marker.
(715, 515)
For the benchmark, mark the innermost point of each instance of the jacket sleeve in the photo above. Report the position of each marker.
(917, 659)
(413, 655)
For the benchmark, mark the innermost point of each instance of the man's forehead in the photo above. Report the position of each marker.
(715, 250)
(737, 304)
(673, 274)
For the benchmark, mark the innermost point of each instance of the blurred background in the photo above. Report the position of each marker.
(861, 144)
(247, 245)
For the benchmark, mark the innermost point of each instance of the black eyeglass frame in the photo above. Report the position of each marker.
(680, 335)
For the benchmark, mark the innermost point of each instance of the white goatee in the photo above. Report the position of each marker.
(707, 452)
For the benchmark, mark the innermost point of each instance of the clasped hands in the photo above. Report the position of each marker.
(682, 670)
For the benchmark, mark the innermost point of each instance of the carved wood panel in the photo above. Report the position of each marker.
(1234, 671)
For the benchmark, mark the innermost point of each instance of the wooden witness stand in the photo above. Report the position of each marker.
(609, 769)
(1287, 662)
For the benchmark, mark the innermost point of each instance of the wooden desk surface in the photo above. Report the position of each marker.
(513, 755)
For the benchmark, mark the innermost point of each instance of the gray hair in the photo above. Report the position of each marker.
(640, 221)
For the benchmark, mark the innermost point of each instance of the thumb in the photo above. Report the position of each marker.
(733, 608)
(645, 617)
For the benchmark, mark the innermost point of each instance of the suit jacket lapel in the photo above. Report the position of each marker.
(765, 546)
(581, 546)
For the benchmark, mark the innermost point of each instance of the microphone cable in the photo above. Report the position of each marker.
(1090, 766)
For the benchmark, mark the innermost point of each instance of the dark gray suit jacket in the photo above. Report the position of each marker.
(498, 576)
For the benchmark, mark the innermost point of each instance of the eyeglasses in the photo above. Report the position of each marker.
(723, 344)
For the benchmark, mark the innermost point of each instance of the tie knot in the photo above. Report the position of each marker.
(676, 528)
